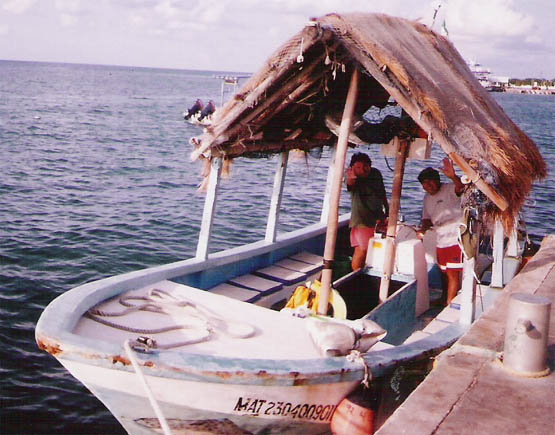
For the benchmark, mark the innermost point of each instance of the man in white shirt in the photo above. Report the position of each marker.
(442, 210)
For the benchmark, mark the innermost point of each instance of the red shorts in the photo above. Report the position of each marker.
(450, 258)
(360, 237)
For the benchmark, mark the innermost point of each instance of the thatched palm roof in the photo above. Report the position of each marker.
(285, 105)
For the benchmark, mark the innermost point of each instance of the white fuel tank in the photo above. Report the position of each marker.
(411, 259)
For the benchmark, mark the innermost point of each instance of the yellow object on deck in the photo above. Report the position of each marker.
(309, 296)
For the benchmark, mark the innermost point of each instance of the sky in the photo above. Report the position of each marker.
(512, 38)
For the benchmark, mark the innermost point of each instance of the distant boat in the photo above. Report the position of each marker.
(481, 73)
(484, 76)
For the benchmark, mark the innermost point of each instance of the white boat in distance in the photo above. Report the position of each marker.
(199, 345)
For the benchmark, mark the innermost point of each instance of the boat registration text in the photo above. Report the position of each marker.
(262, 407)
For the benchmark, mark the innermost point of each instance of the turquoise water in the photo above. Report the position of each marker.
(96, 180)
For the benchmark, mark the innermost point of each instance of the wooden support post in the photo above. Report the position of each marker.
(468, 287)
(498, 251)
(333, 217)
(394, 207)
(277, 194)
(329, 181)
(209, 208)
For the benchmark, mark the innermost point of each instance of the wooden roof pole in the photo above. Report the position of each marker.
(394, 207)
(484, 187)
(333, 216)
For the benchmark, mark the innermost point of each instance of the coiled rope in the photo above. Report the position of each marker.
(162, 302)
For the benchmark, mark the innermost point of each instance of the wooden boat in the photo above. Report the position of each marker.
(196, 345)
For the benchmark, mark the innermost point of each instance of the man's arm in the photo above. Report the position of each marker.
(449, 170)
(380, 187)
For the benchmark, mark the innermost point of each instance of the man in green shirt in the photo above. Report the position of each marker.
(369, 204)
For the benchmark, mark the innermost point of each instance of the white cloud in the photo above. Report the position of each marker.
(17, 6)
(3, 30)
(71, 6)
(167, 9)
(480, 18)
(213, 14)
(67, 20)
(174, 33)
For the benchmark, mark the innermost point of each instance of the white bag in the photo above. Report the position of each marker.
(336, 337)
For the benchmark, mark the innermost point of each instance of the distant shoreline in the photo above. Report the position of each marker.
(529, 90)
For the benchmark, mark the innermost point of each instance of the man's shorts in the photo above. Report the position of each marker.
(450, 258)
(360, 237)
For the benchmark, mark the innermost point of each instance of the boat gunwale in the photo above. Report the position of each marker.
(257, 371)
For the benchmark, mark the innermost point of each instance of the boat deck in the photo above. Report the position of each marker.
(232, 319)
(469, 392)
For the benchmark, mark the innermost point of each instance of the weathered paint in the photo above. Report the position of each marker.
(49, 346)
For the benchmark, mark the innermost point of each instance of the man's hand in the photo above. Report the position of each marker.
(350, 176)
(425, 225)
(448, 169)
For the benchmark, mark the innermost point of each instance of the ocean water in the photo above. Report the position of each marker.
(96, 180)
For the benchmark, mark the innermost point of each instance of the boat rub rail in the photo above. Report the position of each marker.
(298, 379)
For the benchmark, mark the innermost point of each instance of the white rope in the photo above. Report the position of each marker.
(162, 302)
(356, 356)
(165, 428)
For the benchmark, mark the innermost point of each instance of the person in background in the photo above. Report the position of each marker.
(369, 206)
(442, 210)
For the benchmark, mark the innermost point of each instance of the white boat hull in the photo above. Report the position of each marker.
(255, 408)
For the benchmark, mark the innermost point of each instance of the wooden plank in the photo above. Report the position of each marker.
(281, 274)
(307, 257)
(253, 282)
(235, 292)
(299, 266)
(238, 149)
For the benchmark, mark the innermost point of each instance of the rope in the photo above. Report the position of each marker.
(470, 226)
(151, 398)
(162, 302)
(356, 357)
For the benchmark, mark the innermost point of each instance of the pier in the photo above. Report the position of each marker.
(469, 391)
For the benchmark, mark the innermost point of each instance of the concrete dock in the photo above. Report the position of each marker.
(469, 391)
